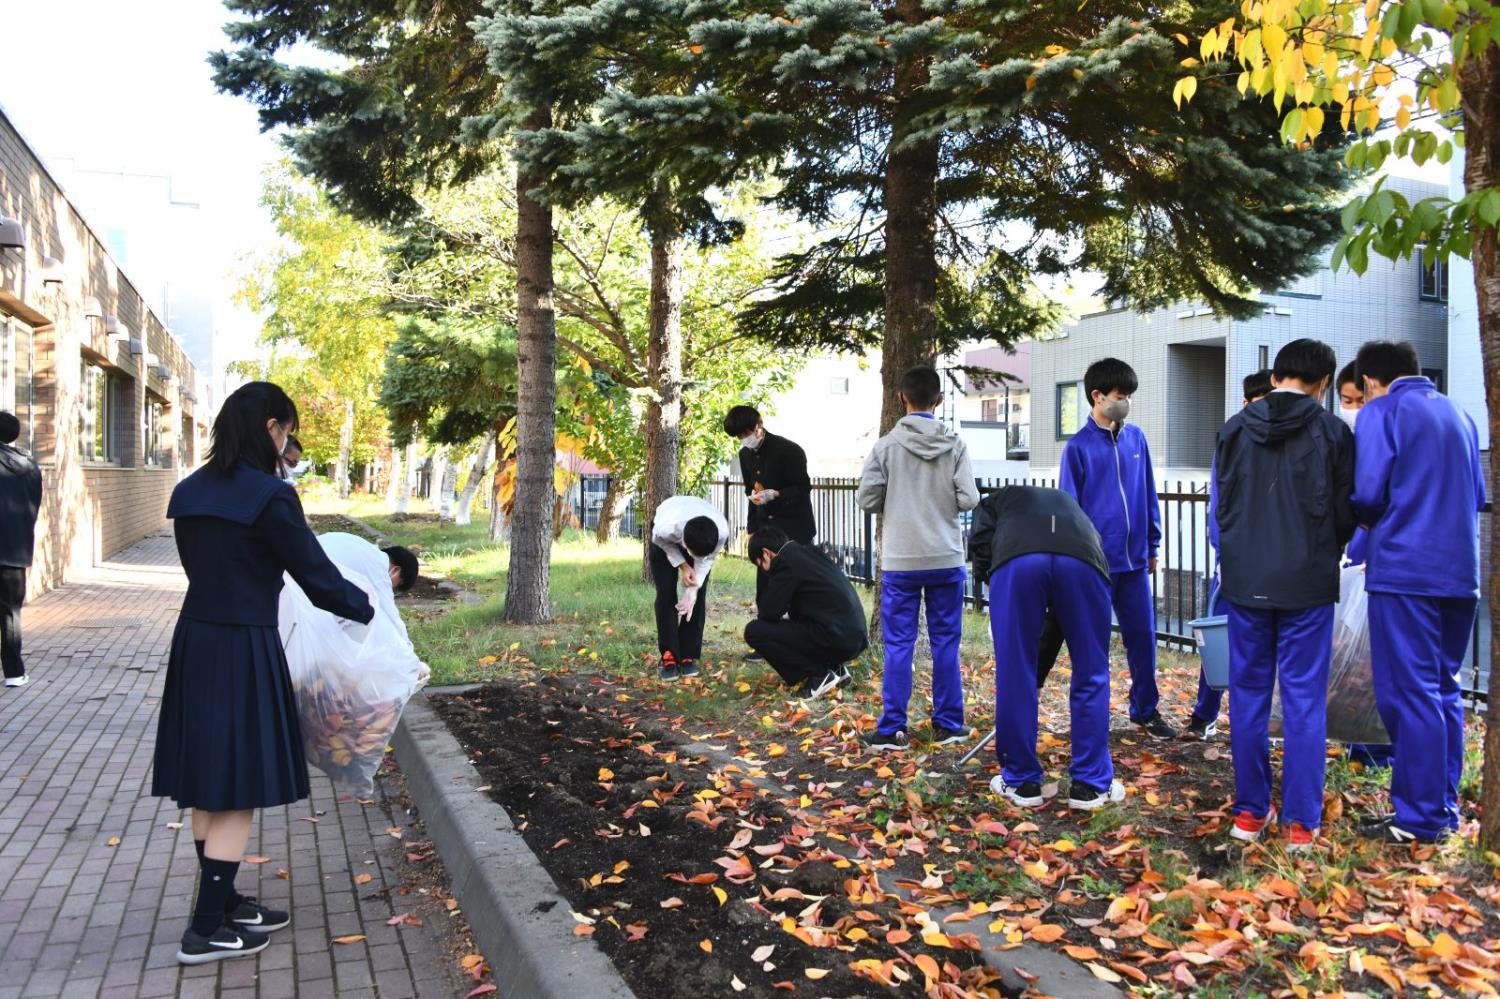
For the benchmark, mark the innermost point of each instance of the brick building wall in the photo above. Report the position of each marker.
(71, 322)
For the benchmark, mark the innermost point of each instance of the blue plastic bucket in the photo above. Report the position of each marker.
(1211, 634)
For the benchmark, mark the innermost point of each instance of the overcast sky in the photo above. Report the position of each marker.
(124, 86)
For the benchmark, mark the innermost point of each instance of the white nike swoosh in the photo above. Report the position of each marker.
(239, 944)
(251, 922)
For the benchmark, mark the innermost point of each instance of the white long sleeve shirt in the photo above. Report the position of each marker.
(667, 527)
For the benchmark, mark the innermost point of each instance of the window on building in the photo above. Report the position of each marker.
(97, 439)
(185, 443)
(1436, 376)
(1434, 281)
(1070, 409)
(989, 410)
(153, 430)
(1263, 358)
(17, 392)
(838, 386)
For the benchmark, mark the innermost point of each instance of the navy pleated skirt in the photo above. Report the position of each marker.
(228, 737)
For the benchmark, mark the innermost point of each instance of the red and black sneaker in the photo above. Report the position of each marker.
(669, 668)
(1300, 839)
(688, 667)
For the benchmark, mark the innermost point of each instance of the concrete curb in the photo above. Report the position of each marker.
(521, 922)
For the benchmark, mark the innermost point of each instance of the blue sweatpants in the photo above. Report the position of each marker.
(901, 595)
(1294, 647)
(1135, 611)
(1417, 647)
(1020, 592)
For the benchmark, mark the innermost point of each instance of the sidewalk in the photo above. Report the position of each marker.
(79, 917)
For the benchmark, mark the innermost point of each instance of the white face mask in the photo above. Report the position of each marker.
(1348, 416)
(754, 441)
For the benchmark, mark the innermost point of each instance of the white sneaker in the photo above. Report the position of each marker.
(1027, 795)
(18, 681)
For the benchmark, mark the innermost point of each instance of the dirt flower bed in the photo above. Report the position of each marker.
(847, 873)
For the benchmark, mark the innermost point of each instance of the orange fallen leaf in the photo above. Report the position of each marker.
(583, 930)
(255, 859)
(929, 968)
(468, 961)
(350, 939)
(1046, 933)
(284, 874)
(897, 937)
(707, 946)
(605, 773)
(363, 879)
(1081, 953)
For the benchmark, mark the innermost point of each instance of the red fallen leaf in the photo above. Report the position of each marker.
(582, 930)
(636, 931)
(255, 859)
(484, 989)
(418, 857)
(897, 937)
(769, 851)
(394, 831)
(403, 917)
(308, 818)
(696, 879)
(785, 986)
(561, 843)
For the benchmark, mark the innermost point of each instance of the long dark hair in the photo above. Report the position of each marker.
(240, 428)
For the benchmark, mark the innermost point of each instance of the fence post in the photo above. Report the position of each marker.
(869, 546)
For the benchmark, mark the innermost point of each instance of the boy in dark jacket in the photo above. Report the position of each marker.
(776, 482)
(810, 621)
(1106, 467)
(1038, 549)
(1280, 514)
(20, 500)
(1418, 485)
(1204, 723)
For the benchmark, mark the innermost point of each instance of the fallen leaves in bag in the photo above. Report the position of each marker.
(342, 734)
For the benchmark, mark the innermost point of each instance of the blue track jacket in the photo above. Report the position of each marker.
(1418, 486)
(1109, 474)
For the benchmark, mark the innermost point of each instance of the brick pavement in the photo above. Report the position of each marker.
(79, 917)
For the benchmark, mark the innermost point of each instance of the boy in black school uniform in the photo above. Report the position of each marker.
(810, 621)
(1204, 721)
(1281, 514)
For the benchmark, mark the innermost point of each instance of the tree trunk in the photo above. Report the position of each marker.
(476, 477)
(528, 598)
(616, 499)
(393, 488)
(442, 489)
(346, 449)
(1479, 84)
(403, 497)
(910, 255)
(663, 365)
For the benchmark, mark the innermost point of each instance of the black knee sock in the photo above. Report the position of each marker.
(214, 885)
(232, 902)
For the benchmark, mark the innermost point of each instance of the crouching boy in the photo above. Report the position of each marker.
(1282, 484)
(687, 534)
(1039, 549)
(809, 622)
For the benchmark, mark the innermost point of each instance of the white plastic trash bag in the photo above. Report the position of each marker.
(352, 680)
(1352, 715)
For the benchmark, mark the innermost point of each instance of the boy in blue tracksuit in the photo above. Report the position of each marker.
(1280, 506)
(1204, 723)
(1418, 487)
(1106, 467)
(918, 478)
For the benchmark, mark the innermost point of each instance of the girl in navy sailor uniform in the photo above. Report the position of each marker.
(228, 740)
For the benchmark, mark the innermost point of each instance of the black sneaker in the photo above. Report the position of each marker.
(944, 736)
(754, 657)
(879, 740)
(1386, 831)
(227, 942)
(669, 670)
(818, 687)
(251, 915)
(688, 667)
(1200, 730)
(1027, 795)
(1158, 727)
(1087, 799)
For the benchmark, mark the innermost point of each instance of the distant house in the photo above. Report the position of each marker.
(1191, 363)
(994, 412)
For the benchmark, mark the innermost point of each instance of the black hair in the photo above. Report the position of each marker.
(1309, 361)
(239, 432)
(1349, 373)
(405, 560)
(740, 420)
(10, 428)
(701, 536)
(1384, 361)
(292, 444)
(1258, 384)
(921, 386)
(1108, 375)
(766, 537)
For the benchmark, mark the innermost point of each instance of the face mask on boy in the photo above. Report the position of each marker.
(1348, 415)
(1114, 410)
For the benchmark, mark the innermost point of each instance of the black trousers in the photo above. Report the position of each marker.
(684, 639)
(12, 595)
(799, 650)
(1050, 648)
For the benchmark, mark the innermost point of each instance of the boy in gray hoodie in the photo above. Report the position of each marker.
(919, 480)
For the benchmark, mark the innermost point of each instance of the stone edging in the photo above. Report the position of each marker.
(521, 922)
